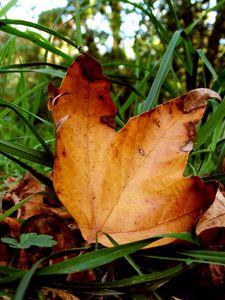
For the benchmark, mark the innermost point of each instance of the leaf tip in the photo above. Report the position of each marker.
(92, 69)
(197, 98)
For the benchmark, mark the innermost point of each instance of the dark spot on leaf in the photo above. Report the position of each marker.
(191, 132)
(157, 122)
(180, 104)
(141, 151)
(115, 152)
(101, 97)
(170, 108)
(58, 192)
(108, 120)
(190, 126)
(64, 153)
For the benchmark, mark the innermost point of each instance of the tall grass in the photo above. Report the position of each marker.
(27, 140)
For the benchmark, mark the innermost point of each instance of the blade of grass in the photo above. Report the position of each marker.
(6, 270)
(119, 122)
(6, 56)
(100, 257)
(208, 163)
(125, 282)
(191, 27)
(46, 71)
(49, 124)
(93, 259)
(163, 32)
(204, 255)
(174, 14)
(133, 96)
(207, 63)
(207, 129)
(24, 152)
(121, 63)
(218, 176)
(24, 283)
(161, 73)
(7, 7)
(78, 24)
(128, 85)
(33, 172)
(12, 127)
(41, 28)
(219, 84)
(35, 40)
(18, 100)
(33, 64)
(10, 275)
(188, 260)
(10, 279)
(220, 159)
(127, 257)
(4, 103)
(16, 207)
(6, 50)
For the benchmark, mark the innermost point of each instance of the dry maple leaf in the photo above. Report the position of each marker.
(128, 184)
(213, 218)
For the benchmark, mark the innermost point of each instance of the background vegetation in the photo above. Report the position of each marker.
(152, 51)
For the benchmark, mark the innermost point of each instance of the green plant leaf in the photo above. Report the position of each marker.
(207, 63)
(29, 125)
(44, 179)
(36, 156)
(30, 239)
(35, 40)
(11, 241)
(208, 128)
(9, 275)
(24, 283)
(40, 27)
(161, 73)
(101, 257)
(7, 7)
(18, 205)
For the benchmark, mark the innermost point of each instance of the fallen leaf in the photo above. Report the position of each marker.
(129, 184)
(38, 204)
(51, 225)
(6, 252)
(54, 294)
(27, 186)
(213, 218)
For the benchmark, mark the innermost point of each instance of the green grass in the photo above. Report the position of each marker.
(27, 142)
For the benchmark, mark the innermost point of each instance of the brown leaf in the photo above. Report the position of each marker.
(213, 218)
(8, 228)
(45, 224)
(54, 294)
(129, 184)
(27, 186)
